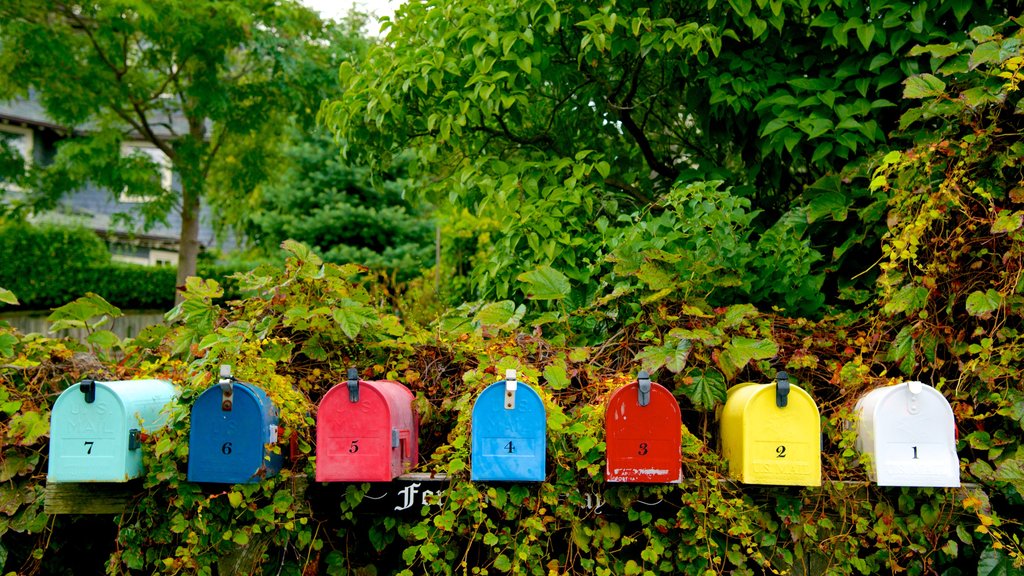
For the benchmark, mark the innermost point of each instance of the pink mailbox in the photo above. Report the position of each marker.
(366, 431)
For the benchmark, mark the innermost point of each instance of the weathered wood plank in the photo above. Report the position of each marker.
(90, 497)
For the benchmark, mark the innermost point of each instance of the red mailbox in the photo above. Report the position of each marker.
(366, 431)
(643, 432)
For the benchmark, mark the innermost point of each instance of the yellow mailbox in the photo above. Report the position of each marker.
(771, 434)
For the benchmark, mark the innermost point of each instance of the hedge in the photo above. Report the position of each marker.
(47, 266)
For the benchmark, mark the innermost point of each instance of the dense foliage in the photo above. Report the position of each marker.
(566, 125)
(57, 264)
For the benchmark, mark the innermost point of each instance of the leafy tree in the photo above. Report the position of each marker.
(571, 121)
(336, 208)
(190, 78)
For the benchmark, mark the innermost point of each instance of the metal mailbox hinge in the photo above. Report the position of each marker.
(781, 389)
(510, 389)
(227, 389)
(643, 380)
(353, 385)
(88, 387)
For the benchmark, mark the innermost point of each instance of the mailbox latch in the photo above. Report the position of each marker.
(643, 381)
(781, 389)
(227, 388)
(396, 439)
(88, 388)
(510, 389)
(353, 385)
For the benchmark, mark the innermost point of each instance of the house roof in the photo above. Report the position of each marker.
(165, 123)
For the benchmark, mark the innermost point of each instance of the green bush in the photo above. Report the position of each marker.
(48, 266)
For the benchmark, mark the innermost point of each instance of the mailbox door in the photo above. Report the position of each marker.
(509, 444)
(228, 446)
(768, 444)
(783, 445)
(88, 441)
(914, 439)
(404, 424)
(353, 440)
(643, 442)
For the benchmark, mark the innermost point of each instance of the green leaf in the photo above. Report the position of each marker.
(740, 351)
(7, 342)
(500, 314)
(996, 563)
(1008, 221)
(866, 34)
(706, 388)
(556, 375)
(7, 297)
(104, 339)
(980, 303)
(29, 426)
(909, 299)
(545, 283)
(830, 204)
(351, 316)
(741, 7)
(501, 562)
(670, 355)
(902, 349)
(235, 499)
(987, 53)
(78, 313)
(923, 86)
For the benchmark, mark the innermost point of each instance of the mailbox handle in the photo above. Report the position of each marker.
(510, 389)
(353, 385)
(781, 389)
(227, 390)
(644, 388)
(88, 387)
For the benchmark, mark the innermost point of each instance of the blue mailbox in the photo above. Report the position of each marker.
(96, 428)
(234, 427)
(509, 433)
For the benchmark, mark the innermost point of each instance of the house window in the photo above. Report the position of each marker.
(19, 139)
(156, 155)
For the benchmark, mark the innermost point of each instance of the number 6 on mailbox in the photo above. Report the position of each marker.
(509, 433)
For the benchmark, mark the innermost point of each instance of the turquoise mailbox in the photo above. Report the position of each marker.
(234, 430)
(95, 429)
(509, 433)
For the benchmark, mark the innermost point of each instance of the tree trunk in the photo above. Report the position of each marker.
(188, 242)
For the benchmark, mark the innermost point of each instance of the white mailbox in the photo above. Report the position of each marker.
(909, 431)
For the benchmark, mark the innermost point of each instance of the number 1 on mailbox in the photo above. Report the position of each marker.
(509, 433)
(643, 432)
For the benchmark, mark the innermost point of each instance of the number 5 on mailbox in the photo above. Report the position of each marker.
(509, 433)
